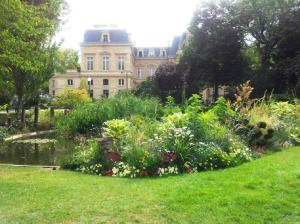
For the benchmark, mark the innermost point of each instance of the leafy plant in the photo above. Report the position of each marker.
(85, 155)
(194, 104)
(89, 118)
(3, 133)
(208, 156)
(223, 110)
(170, 106)
(70, 98)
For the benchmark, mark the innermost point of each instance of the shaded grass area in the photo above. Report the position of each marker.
(263, 191)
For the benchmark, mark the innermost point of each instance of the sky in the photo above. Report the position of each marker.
(151, 23)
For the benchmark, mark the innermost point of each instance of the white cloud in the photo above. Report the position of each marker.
(150, 22)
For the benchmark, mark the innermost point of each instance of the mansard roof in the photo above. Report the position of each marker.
(177, 44)
(120, 36)
(146, 51)
(115, 36)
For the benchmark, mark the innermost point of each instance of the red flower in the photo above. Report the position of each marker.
(113, 156)
(108, 173)
(167, 157)
(144, 174)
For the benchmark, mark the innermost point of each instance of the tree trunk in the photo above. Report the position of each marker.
(52, 115)
(22, 117)
(36, 114)
(36, 117)
(216, 92)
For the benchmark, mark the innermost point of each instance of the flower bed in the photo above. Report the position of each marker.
(187, 139)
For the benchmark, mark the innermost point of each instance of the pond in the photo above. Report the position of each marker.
(42, 150)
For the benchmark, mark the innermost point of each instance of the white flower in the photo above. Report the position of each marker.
(115, 170)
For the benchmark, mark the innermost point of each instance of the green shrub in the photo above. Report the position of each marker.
(118, 130)
(134, 154)
(3, 107)
(70, 98)
(45, 121)
(289, 115)
(194, 104)
(223, 111)
(85, 155)
(208, 156)
(89, 118)
(179, 142)
(170, 106)
(3, 134)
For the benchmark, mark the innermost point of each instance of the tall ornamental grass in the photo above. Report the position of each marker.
(89, 117)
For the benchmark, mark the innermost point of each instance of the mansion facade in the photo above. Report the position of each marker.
(110, 63)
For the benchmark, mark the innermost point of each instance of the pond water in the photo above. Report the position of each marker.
(41, 150)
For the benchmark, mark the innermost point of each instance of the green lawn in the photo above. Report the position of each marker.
(263, 191)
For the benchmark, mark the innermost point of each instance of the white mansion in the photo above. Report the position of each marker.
(110, 63)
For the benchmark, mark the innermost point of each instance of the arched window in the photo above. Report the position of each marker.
(105, 82)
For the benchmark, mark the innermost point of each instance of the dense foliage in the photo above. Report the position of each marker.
(89, 117)
(212, 56)
(229, 42)
(173, 139)
(69, 98)
(27, 49)
(168, 81)
(67, 59)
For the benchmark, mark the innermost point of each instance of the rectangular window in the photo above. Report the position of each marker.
(105, 38)
(91, 93)
(163, 53)
(105, 82)
(140, 73)
(140, 53)
(151, 71)
(91, 82)
(105, 92)
(121, 82)
(151, 53)
(70, 82)
(121, 62)
(90, 63)
(105, 63)
(53, 83)
(53, 92)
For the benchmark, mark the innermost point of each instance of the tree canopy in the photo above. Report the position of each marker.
(213, 54)
(67, 59)
(26, 46)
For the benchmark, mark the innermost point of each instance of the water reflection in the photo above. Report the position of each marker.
(36, 151)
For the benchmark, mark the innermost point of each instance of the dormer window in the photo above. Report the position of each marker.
(163, 53)
(140, 53)
(151, 53)
(105, 37)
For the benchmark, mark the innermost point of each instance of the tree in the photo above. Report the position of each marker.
(27, 53)
(213, 55)
(267, 25)
(67, 59)
(259, 19)
(168, 81)
(286, 56)
(147, 88)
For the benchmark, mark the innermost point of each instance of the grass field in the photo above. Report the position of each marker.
(264, 191)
